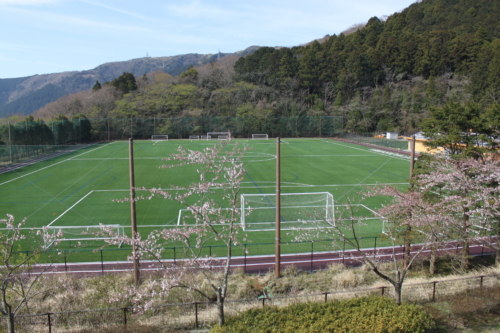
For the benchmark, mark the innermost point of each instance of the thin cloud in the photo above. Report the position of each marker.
(28, 2)
(115, 9)
(69, 20)
(196, 9)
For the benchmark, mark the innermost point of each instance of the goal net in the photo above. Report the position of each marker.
(194, 137)
(298, 210)
(260, 137)
(219, 135)
(159, 137)
(82, 233)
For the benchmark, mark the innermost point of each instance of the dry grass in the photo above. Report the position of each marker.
(453, 298)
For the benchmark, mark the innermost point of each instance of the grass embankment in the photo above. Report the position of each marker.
(460, 305)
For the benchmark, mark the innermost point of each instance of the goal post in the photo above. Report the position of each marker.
(219, 135)
(298, 210)
(157, 137)
(82, 233)
(260, 137)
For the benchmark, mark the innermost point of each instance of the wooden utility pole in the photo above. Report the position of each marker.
(278, 210)
(412, 155)
(406, 261)
(10, 145)
(137, 271)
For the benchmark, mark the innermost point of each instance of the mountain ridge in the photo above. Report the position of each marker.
(23, 95)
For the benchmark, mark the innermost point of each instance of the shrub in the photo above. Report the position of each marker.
(366, 314)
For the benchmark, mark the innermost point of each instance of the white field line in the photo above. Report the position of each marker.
(250, 185)
(369, 149)
(365, 155)
(67, 210)
(71, 158)
(117, 158)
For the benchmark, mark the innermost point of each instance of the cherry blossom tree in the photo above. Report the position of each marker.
(347, 229)
(466, 193)
(17, 286)
(213, 202)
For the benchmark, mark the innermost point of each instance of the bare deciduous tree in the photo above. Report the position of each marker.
(213, 204)
(16, 284)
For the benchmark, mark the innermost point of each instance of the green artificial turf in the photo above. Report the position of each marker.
(84, 187)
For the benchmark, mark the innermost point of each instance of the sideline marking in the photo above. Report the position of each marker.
(67, 210)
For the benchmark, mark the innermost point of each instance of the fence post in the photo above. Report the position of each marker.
(196, 314)
(49, 322)
(312, 254)
(124, 316)
(65, 262)
(326, 296)
(102, 263)
(481, 282)
(382, 290)
(343, 252)
(245, 258)
(263, 301)
(434, 291)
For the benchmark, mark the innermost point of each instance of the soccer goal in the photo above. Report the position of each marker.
(219, 135)
(157, 137)
(82, 233)
(194, 137)
(298, 210)
(260, 137)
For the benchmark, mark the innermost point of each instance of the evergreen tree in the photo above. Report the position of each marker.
(97, 86)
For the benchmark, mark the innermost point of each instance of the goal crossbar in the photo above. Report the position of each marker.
(260, 137)
(297, 210)
(219, 135)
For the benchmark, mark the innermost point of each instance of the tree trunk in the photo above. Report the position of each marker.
(10, 323)
(497, 254)
(465, 255)
(432, 261)
(407, 246)
(220, 307)
(398, 291)
(7, 312)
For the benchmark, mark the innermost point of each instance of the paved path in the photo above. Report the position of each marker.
(260, 264)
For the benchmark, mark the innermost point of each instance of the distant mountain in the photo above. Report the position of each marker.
(27, 94)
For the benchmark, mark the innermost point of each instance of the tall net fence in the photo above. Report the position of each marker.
(372, 139)
(10, 154)
(28, 140)
(104, 129)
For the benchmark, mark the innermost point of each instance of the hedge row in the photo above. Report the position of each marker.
(363, 315)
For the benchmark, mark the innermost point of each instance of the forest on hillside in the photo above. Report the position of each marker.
(383, 76)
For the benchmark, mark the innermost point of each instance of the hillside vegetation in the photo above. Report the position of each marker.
(385, 76)
(22, 95)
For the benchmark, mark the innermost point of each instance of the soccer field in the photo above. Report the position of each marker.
(82, 188)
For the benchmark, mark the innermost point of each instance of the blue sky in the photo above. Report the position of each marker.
(50, 36)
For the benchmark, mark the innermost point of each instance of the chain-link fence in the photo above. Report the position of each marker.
(204, 314)
(25, 140)
(375, 140)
